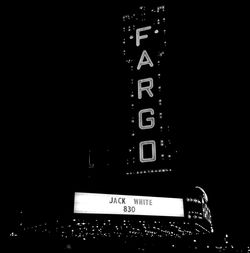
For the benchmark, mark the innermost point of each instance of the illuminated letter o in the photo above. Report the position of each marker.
(153, 151)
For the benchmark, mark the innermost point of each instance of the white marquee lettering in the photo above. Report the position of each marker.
(149, 119)
(145, 88)
(153, 151)
(139, 37)
(143, 62)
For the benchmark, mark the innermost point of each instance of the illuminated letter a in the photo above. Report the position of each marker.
(144, 60)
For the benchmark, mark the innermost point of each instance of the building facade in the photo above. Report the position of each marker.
(150, 150)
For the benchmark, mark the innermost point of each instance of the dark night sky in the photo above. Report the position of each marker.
(62, 90)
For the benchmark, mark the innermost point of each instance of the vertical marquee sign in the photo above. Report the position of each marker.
(145, 53)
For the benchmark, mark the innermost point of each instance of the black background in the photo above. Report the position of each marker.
(61, 92)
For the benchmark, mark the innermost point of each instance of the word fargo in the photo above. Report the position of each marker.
(144, 87)
(144, 50)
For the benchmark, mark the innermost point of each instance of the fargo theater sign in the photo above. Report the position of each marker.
(144, 47)
(144, 88)
(147, 87)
